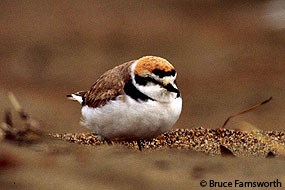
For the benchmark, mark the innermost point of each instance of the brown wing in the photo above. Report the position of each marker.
(108, 86)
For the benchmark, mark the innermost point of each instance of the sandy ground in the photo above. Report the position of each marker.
(229, 56)
(60, 165)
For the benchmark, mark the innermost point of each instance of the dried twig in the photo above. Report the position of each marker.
(8, 118)
(8, 131)
(246, 110)
(29, 122)
(17, 106)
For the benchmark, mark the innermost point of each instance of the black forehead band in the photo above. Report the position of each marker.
(162, 73)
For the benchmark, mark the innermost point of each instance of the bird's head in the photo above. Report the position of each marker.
(156, 78)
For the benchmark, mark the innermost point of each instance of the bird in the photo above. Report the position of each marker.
(137, 100)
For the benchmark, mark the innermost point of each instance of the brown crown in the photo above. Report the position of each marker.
(147, 64)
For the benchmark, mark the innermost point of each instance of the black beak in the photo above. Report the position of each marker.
(170, 88)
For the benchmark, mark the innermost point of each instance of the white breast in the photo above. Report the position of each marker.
(126, 118)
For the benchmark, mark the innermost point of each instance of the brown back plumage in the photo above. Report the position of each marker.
(108, 86)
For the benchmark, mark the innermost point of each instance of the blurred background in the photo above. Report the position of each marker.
(229, 55)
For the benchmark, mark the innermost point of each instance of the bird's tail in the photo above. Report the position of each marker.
(78, 96)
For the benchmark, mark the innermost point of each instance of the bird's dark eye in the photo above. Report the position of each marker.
(140, 80)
